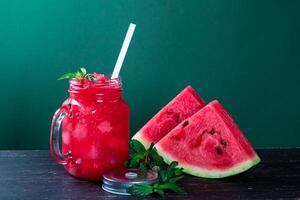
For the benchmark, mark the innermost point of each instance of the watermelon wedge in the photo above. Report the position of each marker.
(184, 105)
(209, 144)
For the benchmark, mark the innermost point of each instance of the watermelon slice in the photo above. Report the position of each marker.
(184, 105)
(209, 144)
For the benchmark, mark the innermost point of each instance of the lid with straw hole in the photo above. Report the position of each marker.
(118, 181)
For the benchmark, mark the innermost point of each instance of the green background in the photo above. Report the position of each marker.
(244, 53)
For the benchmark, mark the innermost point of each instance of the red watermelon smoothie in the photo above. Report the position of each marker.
(95, 128)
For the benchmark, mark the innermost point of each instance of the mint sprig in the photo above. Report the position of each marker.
(148, 159)
(81, 75)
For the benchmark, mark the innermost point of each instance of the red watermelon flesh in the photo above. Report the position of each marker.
(184, 105)
(209, 144)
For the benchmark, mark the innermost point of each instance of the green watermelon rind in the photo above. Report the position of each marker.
(205, 173)
(139, 137)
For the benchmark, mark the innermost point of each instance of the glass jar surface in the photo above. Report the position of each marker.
(94, 122)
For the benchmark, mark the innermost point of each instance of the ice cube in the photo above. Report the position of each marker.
(104, 127)
(66, 137)
(100, 77)
(80, 131)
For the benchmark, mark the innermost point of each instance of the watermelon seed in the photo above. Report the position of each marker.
(177, 118)
(212, 131)
(223, 142)
(219, 150)
(185, 123)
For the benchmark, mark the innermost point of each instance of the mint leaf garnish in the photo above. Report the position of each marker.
(81, 75)
(67, 76)
(83, 70)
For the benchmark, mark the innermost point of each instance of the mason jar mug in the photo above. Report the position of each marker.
(94, 124)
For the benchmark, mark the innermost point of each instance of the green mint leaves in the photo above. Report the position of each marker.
(148, 159)
(159, 188)
(142, 158)
(141, 190)
(81, 75)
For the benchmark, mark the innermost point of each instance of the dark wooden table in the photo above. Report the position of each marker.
(34, 175)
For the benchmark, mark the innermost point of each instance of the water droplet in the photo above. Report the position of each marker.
(78, 161)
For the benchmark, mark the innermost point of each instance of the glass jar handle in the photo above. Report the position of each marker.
(56, 153)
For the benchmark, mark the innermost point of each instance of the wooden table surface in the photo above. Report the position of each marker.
(34, 175)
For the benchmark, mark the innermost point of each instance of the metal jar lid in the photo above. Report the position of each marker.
(118, 181)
